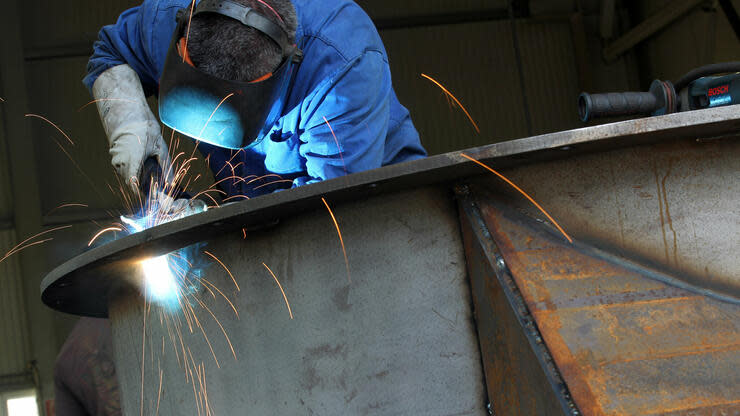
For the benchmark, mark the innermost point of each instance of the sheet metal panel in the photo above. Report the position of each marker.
(14, 348)
(673, 206)
(520, 375)
(68, 287)
(395, 337)
(626, 344)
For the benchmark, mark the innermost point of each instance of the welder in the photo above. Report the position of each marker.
(300, 90)
(297, 90)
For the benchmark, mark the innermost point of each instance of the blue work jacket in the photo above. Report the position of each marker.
(343, 84)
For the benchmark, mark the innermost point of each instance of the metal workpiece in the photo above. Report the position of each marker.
(396, 339)
(672, 206)
(637, 315)
(521, 377)
(623, 342)
(68, 287)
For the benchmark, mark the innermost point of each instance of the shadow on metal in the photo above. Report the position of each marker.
(622, 342)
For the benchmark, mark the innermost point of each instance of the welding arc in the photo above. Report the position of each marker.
(513, 185)
(281, 289)
(341, 240)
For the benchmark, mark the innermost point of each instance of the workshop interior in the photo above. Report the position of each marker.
(565, 243)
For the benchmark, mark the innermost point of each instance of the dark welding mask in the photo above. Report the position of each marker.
(224, 113)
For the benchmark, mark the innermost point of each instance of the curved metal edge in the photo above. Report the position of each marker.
(439, 169)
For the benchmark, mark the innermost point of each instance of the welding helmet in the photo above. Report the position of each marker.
(224, 113)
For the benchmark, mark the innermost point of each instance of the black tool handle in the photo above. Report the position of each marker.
(151, 172)
(591, 106)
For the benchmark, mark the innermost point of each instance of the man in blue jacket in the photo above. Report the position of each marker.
(290, 92)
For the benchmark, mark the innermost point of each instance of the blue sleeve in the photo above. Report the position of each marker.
(138, 39)
(347, 120)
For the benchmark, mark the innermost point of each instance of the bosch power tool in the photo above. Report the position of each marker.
(700, 88)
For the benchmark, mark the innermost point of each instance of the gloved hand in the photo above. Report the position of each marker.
(133, 132)
(178, 208)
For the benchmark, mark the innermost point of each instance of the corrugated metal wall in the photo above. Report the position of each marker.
(703, 36)
(402, 9)
(6, 196)
(14, 339)
(476, 62)
(14, 348)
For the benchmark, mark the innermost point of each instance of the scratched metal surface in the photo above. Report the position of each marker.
(624, 343)
(398, 339)
(673, 206)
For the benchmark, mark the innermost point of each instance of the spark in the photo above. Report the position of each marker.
(337, 142)
(19, 247)
(513, 185)
(105, 99)
(101, 232)
(187, 34)
(235, 154)
(221, 293)
(35, 243)
(341, 240)
(79, 169)
(225, 268)
(55, 126)
(214, 112)
(228, 340)
(67, 206)
(281, 290)
(273, 182)
(264, 176)
(235, 196)
(454, 98)
(159, 391)
(237, 179)
(197, 322)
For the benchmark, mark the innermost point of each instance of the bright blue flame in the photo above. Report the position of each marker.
(169, 278)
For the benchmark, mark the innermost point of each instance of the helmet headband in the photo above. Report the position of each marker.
(224, 113)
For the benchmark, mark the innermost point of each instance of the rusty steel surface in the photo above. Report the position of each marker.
(673, 206)
(521, 377)
(625, 343)
(75, 286)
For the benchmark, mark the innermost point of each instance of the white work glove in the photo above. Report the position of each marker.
(133, 132)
